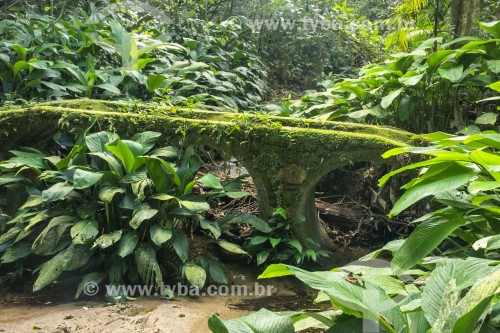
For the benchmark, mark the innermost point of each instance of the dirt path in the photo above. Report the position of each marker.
(54, 311)
(148, 315)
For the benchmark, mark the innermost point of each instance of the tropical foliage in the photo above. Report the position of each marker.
(422, 91)
(116, 210)
(456, 248)
(128, 210)
(98, 55)
(273, 241)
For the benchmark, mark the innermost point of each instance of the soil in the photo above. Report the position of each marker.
(143, 315)
(53, 311)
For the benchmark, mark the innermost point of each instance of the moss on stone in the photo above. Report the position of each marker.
(286, 157)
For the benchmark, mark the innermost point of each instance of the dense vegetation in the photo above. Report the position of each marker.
(123, 210)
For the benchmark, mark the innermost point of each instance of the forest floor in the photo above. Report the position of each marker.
(53, 310)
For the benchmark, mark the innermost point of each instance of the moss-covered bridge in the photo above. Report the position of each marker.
(286, 157)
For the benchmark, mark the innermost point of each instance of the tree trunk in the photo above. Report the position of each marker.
(231, 8)
(463, 13)
(456, 14)
(472, 8)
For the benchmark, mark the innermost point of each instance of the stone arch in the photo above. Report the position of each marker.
(286, 157)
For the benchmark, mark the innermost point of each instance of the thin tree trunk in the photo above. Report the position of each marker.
(204, 11)
(472, 9)
(456, 13)
(231, 8)
(436, 24)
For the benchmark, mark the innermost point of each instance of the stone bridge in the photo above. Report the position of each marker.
(286, 157)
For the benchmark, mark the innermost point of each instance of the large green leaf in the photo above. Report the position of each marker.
(405, 108)
(194, 203)
(71, 258)
(231, 247)
(196, 275)
(263, 321)
(57, 192)
(107, 194)
(51, 270)
(32, 201)
(147, 139)
(158, 175)
(107, 240)
(438, 57)
(137, 150)
(84, 179)
(495, 86)
(127, 244)
(16, 251)
(262, 256)
(109, 87)
(210, 181)
(123, 153)
(81, 255)
(154, 81)
(212, 227)
(467, 314)
(275, 270)
(168, 153)
(484, 140)
(491, 27)
(48, 241)
(171, 170)
(411, 80)
(488, 161)
(84, 231)
(181, 245)
(216, 325)
(94, 278)
(464, 273)
(10, 178)
(487, 243)
(454, 177)
(147, 265)
(218, 272)
(112, 162)
(135, 177)
(361, 299)
(36, 161)
(481, 186)
(432, 230)
(321, 320)
(494, 66)
(380, 277)
(96, 142)
(159, 235)
(141, 216)
(258, 223)
(453, 73)
(488, 118)
(387, 100)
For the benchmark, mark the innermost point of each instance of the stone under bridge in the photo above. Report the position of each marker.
(286, 157)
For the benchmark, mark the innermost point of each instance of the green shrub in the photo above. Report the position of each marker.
(210, 65)
(116, 210)
(457, 284)
(274, 242)
(425, 90)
